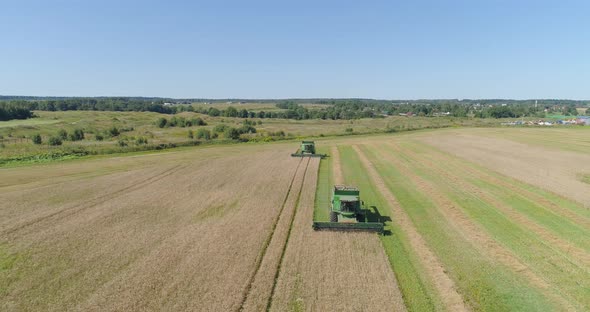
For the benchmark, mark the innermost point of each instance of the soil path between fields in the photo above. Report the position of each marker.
(478, 237)
(444, 285)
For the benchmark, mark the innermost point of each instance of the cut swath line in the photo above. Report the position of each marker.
(444, 285)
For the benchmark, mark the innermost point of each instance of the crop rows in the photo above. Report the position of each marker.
(469, 225)
(469, 238)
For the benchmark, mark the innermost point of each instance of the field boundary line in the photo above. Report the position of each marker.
(443, 283)
(268, 240)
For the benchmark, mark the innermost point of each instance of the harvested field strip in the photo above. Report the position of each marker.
(333, 271)
(330, 175)
(424, 283)
(524, 162)
(553, 203)
(559, 225)
(337, 171)
(550, 226)
(484, 225)
(258, 292)
(483, 282)
(561, 205)
(577, 139)
(321, 210)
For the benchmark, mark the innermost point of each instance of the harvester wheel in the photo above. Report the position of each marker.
(333, 216)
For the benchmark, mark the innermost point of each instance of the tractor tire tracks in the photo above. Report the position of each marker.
(284, 249)
(260, 286)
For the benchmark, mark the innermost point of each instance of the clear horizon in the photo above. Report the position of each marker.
(388, 50)
(294, 98)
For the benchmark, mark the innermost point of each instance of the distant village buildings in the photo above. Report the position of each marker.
(580, 120)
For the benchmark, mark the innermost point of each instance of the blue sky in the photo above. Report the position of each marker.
(285, 49)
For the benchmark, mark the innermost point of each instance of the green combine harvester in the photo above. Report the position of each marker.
(348, 213)
(307, 150)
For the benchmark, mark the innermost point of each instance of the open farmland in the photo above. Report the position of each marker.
(470, 225)
(149, 235)
(499, 242)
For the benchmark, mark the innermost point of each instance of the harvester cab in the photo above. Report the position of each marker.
(347, 212)
(307, 149)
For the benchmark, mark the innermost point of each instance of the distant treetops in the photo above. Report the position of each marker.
(293, 109)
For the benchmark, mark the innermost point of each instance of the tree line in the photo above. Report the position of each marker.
(94, 104)
(292, 109)
(9, 111)
(356, 109)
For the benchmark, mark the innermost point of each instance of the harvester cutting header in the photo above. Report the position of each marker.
(348, 212)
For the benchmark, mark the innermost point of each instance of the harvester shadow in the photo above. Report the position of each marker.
(373, 215)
